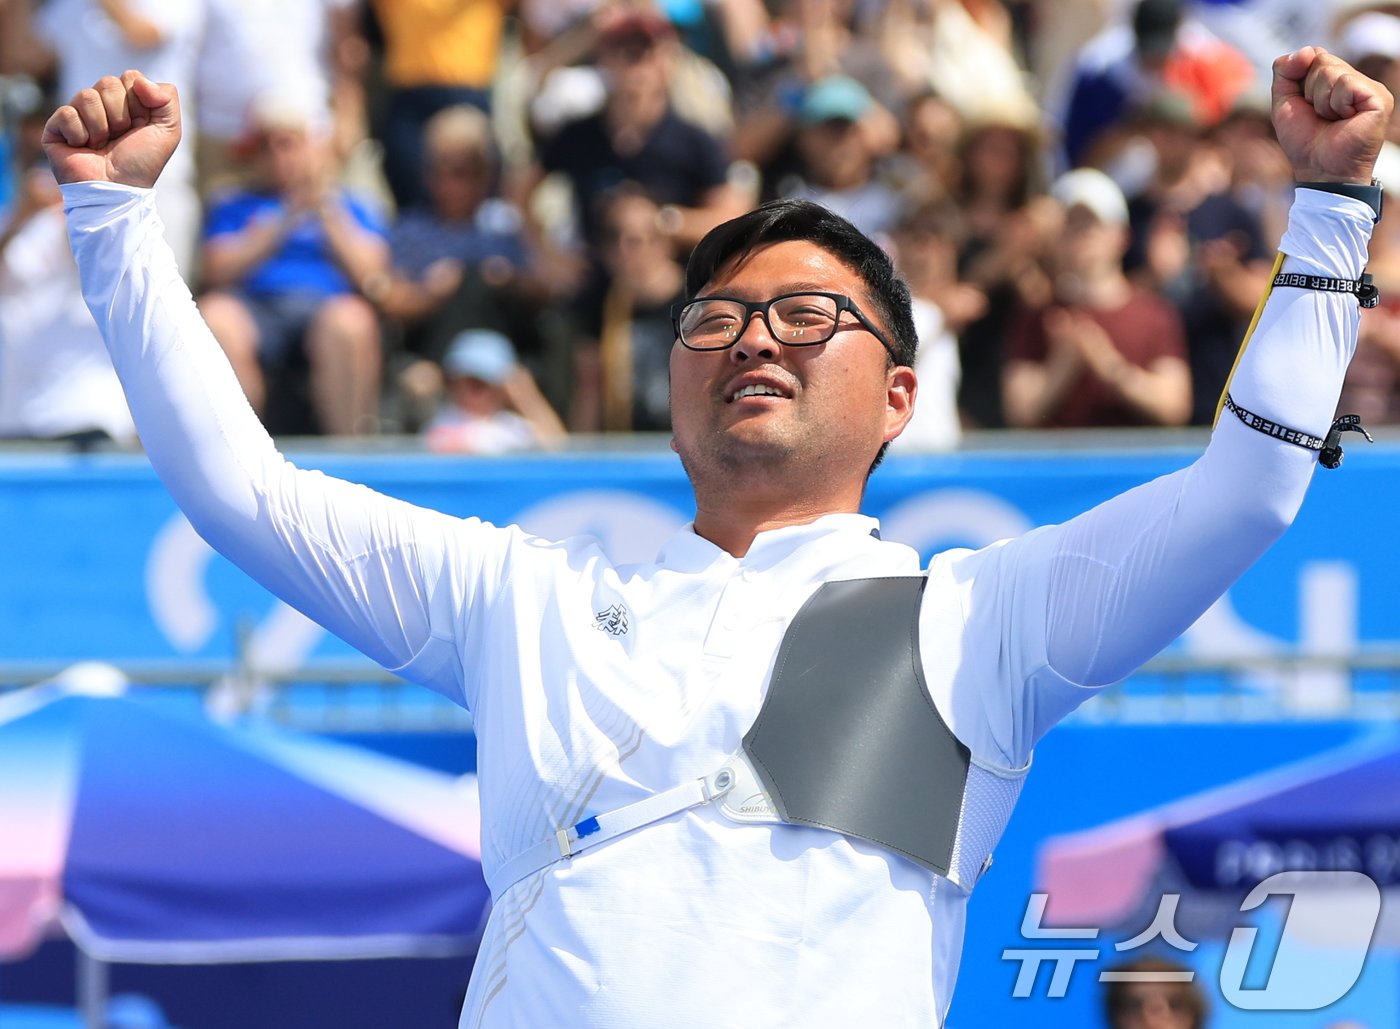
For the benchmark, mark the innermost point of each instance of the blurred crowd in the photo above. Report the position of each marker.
(470, 218)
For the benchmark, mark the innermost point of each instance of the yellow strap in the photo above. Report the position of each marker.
(1258, 310)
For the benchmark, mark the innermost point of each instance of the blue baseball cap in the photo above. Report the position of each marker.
(480, 354)
(836, 97)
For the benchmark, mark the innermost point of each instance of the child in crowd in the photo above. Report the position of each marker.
(492, 404)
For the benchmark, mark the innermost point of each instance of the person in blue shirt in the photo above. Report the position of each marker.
(460, 261)
(282, 263)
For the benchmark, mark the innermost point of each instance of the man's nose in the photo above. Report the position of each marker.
(755, 340)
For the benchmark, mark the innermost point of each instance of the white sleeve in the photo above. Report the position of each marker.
(1083, 604)
(389, 578)
(1127, 577)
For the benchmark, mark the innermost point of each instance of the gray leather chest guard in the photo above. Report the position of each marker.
(848, 738)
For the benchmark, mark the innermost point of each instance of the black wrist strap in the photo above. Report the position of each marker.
(1373, 196)
(1330, 449)
(1364, 289)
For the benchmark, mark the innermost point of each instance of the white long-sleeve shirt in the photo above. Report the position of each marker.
(593, 684)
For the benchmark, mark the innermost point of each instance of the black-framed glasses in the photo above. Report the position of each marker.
(793, 319)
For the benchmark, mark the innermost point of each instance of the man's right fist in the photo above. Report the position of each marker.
(119, 130)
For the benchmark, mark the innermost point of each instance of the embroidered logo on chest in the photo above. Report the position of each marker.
(613, 621)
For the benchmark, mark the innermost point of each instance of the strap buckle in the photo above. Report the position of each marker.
(1329, 449)
(1331, 455)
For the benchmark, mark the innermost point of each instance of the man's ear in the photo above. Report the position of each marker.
(901, 388)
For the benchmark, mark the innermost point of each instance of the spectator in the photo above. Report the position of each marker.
(1372, 386)
(727, 32)
(1196, 245)
(21, 99)
(927, 167)
(313, 44)
(1260, 177)
(622, 361)
(1006, 233)
(1104, 352)
(461, 261)
(1263, 29)
(926, 254)
(638, 138)
(56, 380)
(807, 42)
(91, 38)
(1370, 41)
(493, 405)
(1061, 30)
(281, 260)
(1125, 64)
(839, 151)
(965, 51)
(557, 84)
(436, 56)
(1147, 1004)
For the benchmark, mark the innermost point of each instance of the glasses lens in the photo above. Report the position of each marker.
(804, 319)
(711, 324)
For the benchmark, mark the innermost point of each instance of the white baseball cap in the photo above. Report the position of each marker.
(1096, 192)
(1372, 34)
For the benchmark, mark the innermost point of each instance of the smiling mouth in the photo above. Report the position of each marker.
(758, 390)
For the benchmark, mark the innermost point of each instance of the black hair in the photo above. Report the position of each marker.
(790, 219)
(787, 220)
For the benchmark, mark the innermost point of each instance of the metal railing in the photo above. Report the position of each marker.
(354, 695)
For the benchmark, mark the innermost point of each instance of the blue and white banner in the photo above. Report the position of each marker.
(96, 561)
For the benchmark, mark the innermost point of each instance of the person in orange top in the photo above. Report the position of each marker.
(437, 53)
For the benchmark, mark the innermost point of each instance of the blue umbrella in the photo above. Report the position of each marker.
(155, 835)
(1338, 811)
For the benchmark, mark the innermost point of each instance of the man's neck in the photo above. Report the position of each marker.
(732, 522)
(1105, 290)
(630, 114)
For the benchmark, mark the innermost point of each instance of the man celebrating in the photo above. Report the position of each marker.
(753, 782)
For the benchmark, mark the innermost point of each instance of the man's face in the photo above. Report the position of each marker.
(293, 157)
(835, 154)
(836, 402)
(1153, 1006)
(635, 65)
(633, 245)
(1087, 244)
(458, 179)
